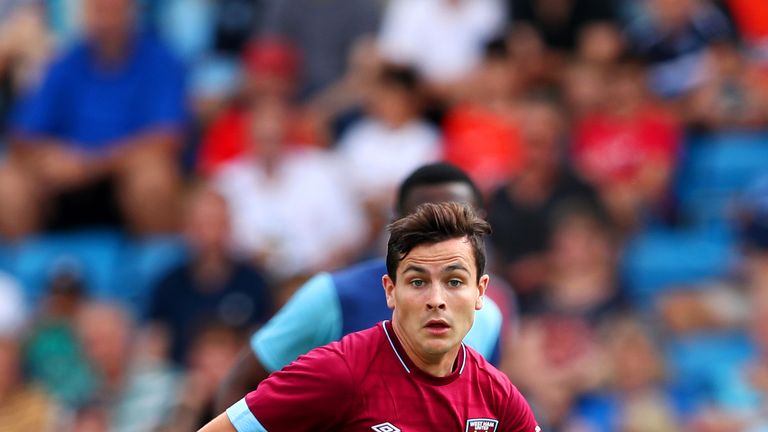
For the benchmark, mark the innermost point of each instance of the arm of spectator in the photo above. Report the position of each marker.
(62, 165)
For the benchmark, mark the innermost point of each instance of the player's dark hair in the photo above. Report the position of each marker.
(433, 223)
(432, 174)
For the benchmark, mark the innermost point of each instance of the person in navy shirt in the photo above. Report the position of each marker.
(331, 305)
(211, 287)
(105, 122)
(410, 373)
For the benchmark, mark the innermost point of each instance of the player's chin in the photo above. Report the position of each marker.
(441, 345)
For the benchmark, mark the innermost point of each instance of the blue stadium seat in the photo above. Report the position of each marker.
(696, 361)
(716, 168)
(662, 257)
(94, 254)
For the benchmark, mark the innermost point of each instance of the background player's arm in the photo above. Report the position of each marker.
(310, 319)
(219, 424)
(244, 376)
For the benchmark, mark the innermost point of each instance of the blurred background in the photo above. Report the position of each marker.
(171, 170)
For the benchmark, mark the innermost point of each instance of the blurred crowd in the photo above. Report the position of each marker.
(171, 171)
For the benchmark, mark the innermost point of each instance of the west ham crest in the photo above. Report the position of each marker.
(481, 424)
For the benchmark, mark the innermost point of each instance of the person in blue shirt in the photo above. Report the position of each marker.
(331, 305)
(99, 135)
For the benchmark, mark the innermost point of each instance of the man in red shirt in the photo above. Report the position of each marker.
(410, 373)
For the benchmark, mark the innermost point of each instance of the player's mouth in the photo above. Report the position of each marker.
(437, 327)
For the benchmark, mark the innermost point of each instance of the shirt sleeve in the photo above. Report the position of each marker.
(311, 318)
(517, 414)
(486, 330)
(38, 113)
(316, 392)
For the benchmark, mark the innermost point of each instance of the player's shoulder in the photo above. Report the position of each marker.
(359, 342)
(356, 349)
(362, 269)
(350, 279)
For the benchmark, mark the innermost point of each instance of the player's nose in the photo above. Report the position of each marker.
(436, 298)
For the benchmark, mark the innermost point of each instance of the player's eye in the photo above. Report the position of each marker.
(455, 283)
(418, 283)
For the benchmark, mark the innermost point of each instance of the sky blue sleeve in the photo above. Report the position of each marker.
(485, 332)
(243, 419)
(311, 318)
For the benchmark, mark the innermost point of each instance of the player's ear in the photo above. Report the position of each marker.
(481, 287)
(389, 290)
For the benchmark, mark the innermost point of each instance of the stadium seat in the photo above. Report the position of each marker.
(93, 255)
(662, 257)
(715, 169)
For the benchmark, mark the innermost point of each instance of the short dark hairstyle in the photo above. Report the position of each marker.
(432, 174)
(433, 223)
(402, 77)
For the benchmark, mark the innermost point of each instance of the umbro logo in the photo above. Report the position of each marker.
(385, 427)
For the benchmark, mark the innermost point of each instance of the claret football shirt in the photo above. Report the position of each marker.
(365, 382)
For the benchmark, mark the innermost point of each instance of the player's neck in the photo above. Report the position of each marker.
(439, 365)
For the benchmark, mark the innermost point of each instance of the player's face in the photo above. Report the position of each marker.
(435, 299)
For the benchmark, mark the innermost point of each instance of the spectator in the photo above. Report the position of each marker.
(290, 209)
(750, 19)
(105, 124)
(443, 39)
(133, 393)
(629, 148)
(24, 48)
(583, 89)
(733, 96)
(211, 356)
(482, 135)
(560, 22)
(391, 141)
(579, 294)
(636, 397)
(270, 73)
(23, 407)
(672, 35)
(212, 286)
(601, 43)
(53, 354)
(581, 259)
(324, 33)
(521, 209)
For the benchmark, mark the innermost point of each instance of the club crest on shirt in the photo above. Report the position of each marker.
(481, 424)
(385, 427)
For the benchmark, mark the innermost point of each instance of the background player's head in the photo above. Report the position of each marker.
(437, 182)
(435, 280)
